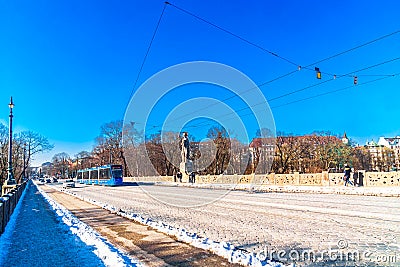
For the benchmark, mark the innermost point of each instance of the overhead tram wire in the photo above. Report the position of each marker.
(304, 88)
(355, 48)
(303, 99)
(244, 40)
(233, 34)
(255, 45)
(307, 87)
(317, 84)
(339, 76)
(337, 90)
(296, 91)
(276, 55)
(147, 53)
(201, 124)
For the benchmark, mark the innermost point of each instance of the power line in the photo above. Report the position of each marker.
(291, 72)
(295, 91)
(355, 48)
(340, 76)
(275, 54)
(201, 124)
(233, 96)
(233, 34)
(299, 100)
(147, 52)
(261, 48)
(335, 91)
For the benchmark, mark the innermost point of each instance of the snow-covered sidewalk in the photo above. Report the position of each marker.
(43, 233)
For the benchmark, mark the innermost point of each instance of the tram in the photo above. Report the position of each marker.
(110, 175)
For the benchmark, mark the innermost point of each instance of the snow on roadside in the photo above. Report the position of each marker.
(5, 238)
(380, 191)
(223, 249)
(107, 253)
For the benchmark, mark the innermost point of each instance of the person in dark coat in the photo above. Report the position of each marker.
(346, 177)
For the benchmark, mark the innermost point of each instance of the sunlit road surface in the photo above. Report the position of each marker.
(310, 229)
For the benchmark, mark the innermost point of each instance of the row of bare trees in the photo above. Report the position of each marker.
(316, 152)
(159, 153)
(285, 153)
(107, 150)
(26, 145)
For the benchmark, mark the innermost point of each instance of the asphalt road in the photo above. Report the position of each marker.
(310, 229)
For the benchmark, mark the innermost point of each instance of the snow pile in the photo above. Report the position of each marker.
(223, 249)
(107, 253)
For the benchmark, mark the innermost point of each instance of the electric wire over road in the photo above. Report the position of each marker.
(312, 67)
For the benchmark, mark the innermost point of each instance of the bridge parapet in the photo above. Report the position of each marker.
(8, 203)
(362, 178)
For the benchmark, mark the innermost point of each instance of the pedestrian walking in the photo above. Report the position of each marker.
(346, 177)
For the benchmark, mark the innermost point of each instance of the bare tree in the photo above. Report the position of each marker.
(241, 157)
(156, 154)
(132, 144)
(31, 144)
(362, 159)
(61, 163)
(286, 153)
(26, 145)
(222, 142)
(109, 147)
(171, 150)
(4, 152)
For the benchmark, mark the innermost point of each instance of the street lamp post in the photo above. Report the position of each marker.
(10, 176)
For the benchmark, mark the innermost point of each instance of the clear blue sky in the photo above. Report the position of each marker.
(71, 65)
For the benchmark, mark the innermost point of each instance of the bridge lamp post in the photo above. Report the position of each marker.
(10, 177)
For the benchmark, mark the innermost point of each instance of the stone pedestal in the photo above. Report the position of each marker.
(186, 168)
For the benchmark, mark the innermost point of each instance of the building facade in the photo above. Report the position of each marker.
(384, 153)
(392, 143)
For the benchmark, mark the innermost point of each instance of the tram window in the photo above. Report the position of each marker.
(104, 173)
(117, 173)
(93, 174)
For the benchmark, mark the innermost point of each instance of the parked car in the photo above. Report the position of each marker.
(68, 183)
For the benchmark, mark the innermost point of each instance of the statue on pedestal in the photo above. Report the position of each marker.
(186, 165)
(185, 147)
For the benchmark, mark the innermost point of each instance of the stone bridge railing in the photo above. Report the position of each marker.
(8, 202)
(361, 178)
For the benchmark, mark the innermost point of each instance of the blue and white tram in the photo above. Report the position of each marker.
(104, 175)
